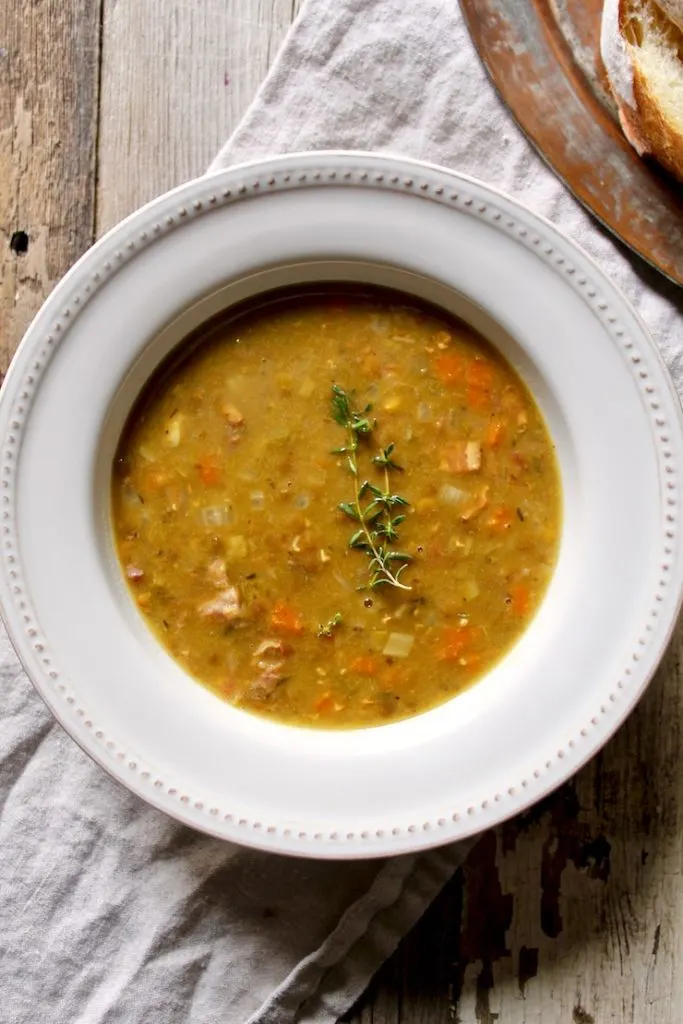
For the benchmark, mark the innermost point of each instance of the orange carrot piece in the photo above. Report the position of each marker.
(365, 665)
(521, 598)
(286, 619)
(228, 687)
(209, 472)
(478, 399)
(449, 367)
(495, 432)
(324, 703)
(394, 677)
(500, 519)
(480, 373)
(457, 640)
(480, 381)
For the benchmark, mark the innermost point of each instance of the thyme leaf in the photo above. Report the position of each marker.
(326, 629)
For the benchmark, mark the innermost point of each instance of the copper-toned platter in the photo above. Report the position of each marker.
(544, 58)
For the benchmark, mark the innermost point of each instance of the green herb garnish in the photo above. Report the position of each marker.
(328, 628)
(377, 521)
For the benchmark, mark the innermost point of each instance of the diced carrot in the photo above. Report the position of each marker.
(209, 472)
(228, 687)
(365, 665)
(457, 640)
(461, 457)
(480, 381)
(324, 703)
(500, 519)
(480, 373)
(394, 677)
(286, 619)
(495, 432)
(521, 598)
(449, 367)
(478, 398)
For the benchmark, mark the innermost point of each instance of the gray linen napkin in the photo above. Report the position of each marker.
(113, 914)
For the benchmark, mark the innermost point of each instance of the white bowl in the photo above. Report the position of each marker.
(616, 421)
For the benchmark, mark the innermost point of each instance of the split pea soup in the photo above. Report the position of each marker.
(337, 509)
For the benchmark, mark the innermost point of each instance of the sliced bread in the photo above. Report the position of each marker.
(673, 9)
(642, 50)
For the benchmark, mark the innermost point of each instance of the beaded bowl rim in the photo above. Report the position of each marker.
(296, 171)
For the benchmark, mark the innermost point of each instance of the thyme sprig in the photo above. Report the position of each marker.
(326, 629)
(380, 517)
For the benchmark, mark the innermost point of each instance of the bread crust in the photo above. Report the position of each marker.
(641, 118)
(661, 141)
(673, 10)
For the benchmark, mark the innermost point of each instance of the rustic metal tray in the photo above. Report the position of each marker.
(544, 58)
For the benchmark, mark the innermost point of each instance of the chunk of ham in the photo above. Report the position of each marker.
(461, 457)
(225, 605)
(270, 649)
(270, 671)
(267, 681)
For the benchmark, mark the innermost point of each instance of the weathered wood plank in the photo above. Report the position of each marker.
(49, 57)
(596, 881)
(176, 79)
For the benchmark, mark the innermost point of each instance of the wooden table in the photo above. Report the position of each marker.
(568, 915)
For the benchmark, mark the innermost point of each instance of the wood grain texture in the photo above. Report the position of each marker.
(177, 77)
(567, 915)
(49, 61)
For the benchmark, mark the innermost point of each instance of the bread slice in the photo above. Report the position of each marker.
(673, 9)
(642, 50)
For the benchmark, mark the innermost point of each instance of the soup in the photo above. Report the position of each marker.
(337, 509)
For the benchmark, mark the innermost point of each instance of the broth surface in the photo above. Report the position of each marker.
(226, 495)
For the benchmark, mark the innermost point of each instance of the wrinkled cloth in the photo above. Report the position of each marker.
(111, 913)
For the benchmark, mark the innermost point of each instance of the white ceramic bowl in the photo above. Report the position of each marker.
(608, 401)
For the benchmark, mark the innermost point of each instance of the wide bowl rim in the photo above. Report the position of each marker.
(53, 312)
